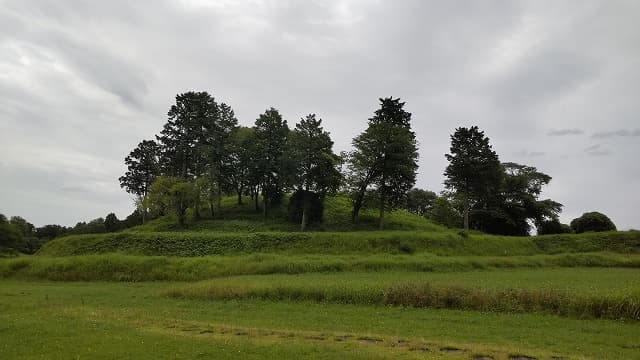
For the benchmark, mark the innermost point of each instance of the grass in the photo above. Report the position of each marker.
(119, 267)
(201, 243)
(125, 320)
(585, 293)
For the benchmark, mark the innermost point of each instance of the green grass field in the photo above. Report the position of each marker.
(239, 287)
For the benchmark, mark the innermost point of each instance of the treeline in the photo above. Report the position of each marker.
(202, 154)
(18, 235)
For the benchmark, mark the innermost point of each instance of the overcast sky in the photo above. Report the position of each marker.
(554, 84)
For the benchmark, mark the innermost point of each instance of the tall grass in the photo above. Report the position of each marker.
(118, 267)
(422, 295)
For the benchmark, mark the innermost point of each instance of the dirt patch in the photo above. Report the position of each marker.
(521, 357)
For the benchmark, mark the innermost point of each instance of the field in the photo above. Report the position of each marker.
(243, 288)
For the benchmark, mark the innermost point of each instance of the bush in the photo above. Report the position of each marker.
(553, 227)
(592, 221)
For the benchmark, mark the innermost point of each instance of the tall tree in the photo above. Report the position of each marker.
(241, 160)
(217, 146)
(474, 172)
(142, 168)
(271, 133)
(315, 163)
(385, 157)
(183, 135)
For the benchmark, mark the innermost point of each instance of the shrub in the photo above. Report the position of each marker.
(553, 227)
(592, 221)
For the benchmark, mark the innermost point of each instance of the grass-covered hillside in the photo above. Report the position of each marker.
(240, 286)
(239, 229)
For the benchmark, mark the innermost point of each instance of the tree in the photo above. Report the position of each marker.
(592, 221)
(183, 137)
(217, 146)
(271, 133)
(553, 227)
(171, 194)
(420, 201)
(242, 155)
(142, 169)
(444, 212)
(111, 223)
(474, 173)
(385, 157)
(517, 204)
(314, 162)
(10, 235)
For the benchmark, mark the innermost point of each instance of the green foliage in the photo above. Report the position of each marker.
(142, 168)
(444, 213)
(305, 204)
(420, 202)
(553, 227)
(111, 223)
(314, 168)
(474, 172)
(592, 221)
(271, 135)
(385, 158)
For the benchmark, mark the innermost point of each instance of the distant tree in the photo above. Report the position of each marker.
(10, 235)
(592, 221)
(51, 231)
(552, 227)
(315, 165)
(182, 195)
(516, 204)
(158, 200)
(111, 223)
(218, 145)
(271, 133)
(133, 219)
(444, 212)
(171, 194)
(420, 201)
(385, 157)
(142, 168)
(241, 163)
(474, 173)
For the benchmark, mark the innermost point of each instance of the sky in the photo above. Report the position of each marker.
(553, 84)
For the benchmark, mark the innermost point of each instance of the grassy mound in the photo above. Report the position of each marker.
(115, 267)
(202, 243)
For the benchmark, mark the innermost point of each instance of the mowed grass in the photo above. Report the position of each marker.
(133, 320)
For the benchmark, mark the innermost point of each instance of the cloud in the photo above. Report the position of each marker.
(596, 150)
(616, 133)
(82, 83)
(529, 154)
(563, 132)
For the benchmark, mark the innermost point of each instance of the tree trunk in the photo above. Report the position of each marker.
(239, 190)
(264, 206)
(211, 207)
(219, 199)
(381, 212)
(466, 216)
(255, 199)
(305, 205)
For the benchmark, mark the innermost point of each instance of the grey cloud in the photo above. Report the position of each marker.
(526, 153)
(83, 82)
(614, 133)
(563, 132)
